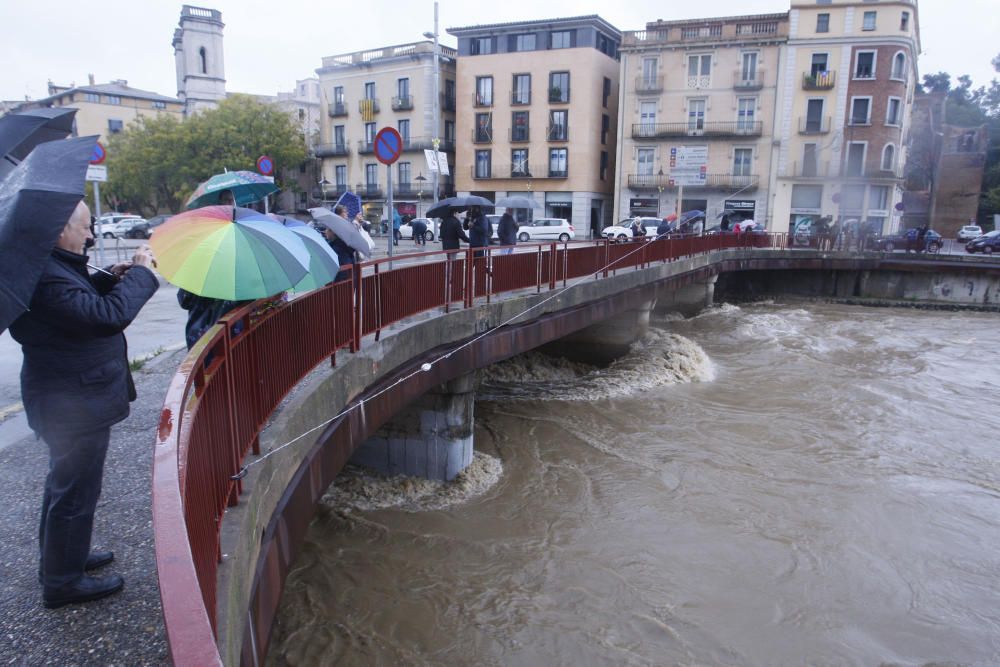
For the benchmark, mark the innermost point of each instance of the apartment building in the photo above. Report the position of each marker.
(105, 108)
(537, 113)
(393, 86)
(848, 75)
(698, 99)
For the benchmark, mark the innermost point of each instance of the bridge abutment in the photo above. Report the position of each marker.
(430, 438)
(605, 341)
(688, 300)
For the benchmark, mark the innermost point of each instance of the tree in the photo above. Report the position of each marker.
(157, 163)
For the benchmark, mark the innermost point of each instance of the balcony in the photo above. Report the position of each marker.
(337, 110)
(520, 98)
(447, 103)
(481, 100)
(366, 147)
(369, 190)
(808, 169)
(557, 133)
(558, 96)
(368, 106)
(814, 125)
(426, 144)
(723, 182)
(521, 171)
(819, 81)
(519, 135)
(407, 189)
(707, 130)
(482, 135)
(649, 84)
(402, 103)
(648, 181)
(746, 81)
(699, 82)
(331, 150)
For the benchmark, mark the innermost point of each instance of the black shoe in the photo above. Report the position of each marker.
(86, 589)
(95, 560)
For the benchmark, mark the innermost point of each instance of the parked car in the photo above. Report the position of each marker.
(969, 232)
(116, 224)
(932, 242)
(406, 231)
(542, 229)
(623, 230)
(988, 243)
(143, 230)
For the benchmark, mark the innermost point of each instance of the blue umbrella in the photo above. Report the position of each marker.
(352, 204)
(688, 216)
(246, 186)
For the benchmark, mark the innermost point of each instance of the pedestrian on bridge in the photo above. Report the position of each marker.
(451, 232)
(507, 230)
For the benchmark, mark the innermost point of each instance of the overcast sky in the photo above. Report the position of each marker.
(269, 44)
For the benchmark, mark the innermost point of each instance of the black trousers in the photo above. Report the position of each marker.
(72, 487)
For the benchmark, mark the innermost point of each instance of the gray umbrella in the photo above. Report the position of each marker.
(517, 201)
(450, 204)
(21, 132)
(347, 231)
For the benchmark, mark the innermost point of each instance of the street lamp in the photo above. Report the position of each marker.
(420, 179)
(659, 189)
(435, 139)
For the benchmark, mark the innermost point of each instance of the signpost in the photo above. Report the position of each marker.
(688, 166)
(265, 166)
(97, 173)
(388, 148)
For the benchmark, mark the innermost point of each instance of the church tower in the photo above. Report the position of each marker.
(201, 72)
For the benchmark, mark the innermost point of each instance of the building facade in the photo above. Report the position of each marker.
(302, 103)
(199, 58)
(848, 75)
(537, 115)
(698, 102)
(393, 86)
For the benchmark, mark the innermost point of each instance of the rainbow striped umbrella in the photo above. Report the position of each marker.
(323, 262)
(226, 253)
(246, 186)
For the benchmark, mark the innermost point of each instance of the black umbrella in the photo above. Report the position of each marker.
(445, 206)
(36, 201)
(21, 132)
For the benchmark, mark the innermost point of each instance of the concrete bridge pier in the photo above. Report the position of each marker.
(430, 438)
(688, 300)
(605, 341)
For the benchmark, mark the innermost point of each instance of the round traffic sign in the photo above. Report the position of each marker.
(99, 155)
(265, 165)
(388, 145)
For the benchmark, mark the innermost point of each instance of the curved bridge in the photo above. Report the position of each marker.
(232, 500)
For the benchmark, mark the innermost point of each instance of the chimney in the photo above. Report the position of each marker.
(90, 77)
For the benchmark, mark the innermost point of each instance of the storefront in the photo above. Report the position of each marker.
(559, 205)
(807, 201)
(644, 207)
(741, 209)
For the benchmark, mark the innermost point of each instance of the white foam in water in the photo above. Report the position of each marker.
(659, 359)
(358, 489)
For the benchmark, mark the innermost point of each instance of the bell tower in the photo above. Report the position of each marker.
(201, 71)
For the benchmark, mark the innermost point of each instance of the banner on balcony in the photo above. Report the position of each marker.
(368, 111)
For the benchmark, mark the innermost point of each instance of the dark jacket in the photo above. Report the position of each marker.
(480, 231)
(203, 312)
(664, 228)
(507, 230)
(451, 232)
(75, 375)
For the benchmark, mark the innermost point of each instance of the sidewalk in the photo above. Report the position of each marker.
(127, 628)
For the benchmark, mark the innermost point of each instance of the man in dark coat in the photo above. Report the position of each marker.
(75, 383)
(507, 230)
(451, 232)
(419, 228)
(480, 230)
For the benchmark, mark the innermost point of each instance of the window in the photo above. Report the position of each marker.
(524, 42)
(371, 175)
(559, 87)
(114, 99)
(559, 125)
(403, 88)
(852, 199)
(484, 164)
(341, 176)
(338, 95)
(370, 134)
(856, 158)
(814, 116)
(606, 92)
(899, 67)
(647, 119)
(562, 39)
(302, 113)
(605, 128)
(864, 67)
(404, 174)
(878, 199)
(742, 161)
(649, 66)
(699, 71)
(159, 105)
(888, 157)
(338, 137)
(482, 46)
(115, 126)
(861, 110)
(644, 161)
(810, 166)
(449, 93)
(696, 115)
(604, 166)
(745, 109)
(892, 116)
(449, 131)
(203, 60)
(607, 46)
(807, 198)
(521, 88)
(868, 23)
(91, 97)
(370, 90)
(404, 131)
(904, 22)
(748, 68)
(822, 23)
(557, 161)
(818, 64)
(519, 162)
(484, 127)
(519, 130)
(484, 91)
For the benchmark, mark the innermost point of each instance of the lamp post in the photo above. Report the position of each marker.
(420, 179)
(435, 138)
(659, 189)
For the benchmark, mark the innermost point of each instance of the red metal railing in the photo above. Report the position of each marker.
(238, 373)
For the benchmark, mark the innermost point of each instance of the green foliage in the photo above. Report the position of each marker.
(156, 163)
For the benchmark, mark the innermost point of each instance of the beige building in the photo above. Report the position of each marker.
(393, 86)
(846, 90)
(537, 114)
(106, 108)
(698, 100)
